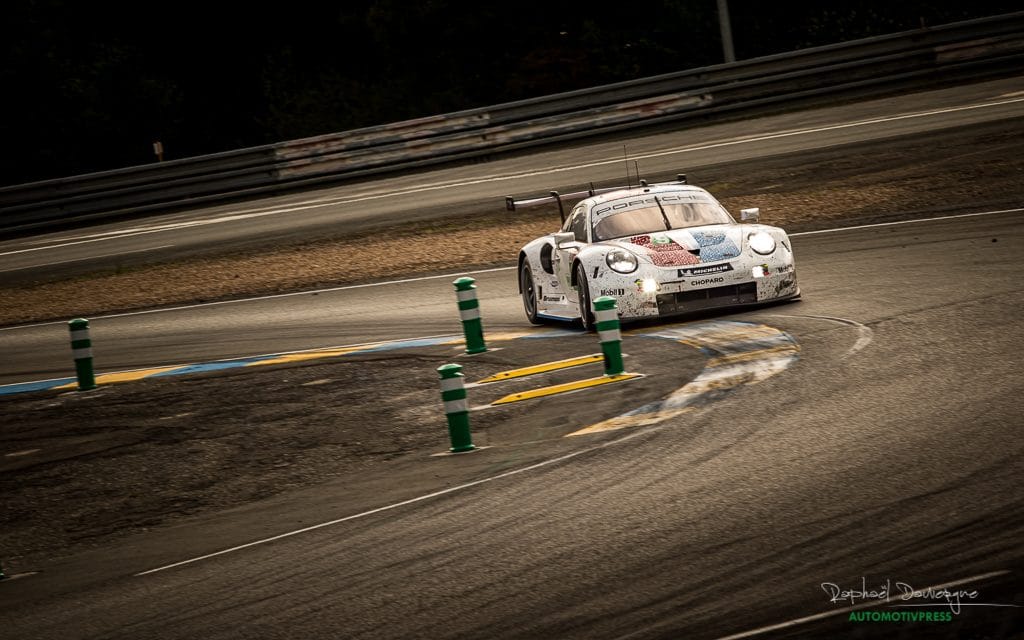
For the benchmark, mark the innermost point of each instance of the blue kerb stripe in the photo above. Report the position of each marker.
(25, 387)
(242, 362)
(209, 366)
(541, 314)
(392, 346)
(554, 333)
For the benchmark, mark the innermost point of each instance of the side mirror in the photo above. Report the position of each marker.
(564, 238)
(750, 215)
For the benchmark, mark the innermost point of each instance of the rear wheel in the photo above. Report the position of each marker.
(529, 293)
(583, 293)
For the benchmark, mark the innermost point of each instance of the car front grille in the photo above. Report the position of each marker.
(707, 298)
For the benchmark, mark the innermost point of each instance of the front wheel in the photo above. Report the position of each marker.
(529, 293)
(583, 293)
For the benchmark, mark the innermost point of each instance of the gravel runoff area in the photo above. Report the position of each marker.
(965, 169)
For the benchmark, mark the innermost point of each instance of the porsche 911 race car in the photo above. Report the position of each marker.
(659, 250)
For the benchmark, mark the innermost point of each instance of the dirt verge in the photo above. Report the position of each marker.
(78, 470)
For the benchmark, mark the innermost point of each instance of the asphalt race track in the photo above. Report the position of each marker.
(890, 452)
(895, 460)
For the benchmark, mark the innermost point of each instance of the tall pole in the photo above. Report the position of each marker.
(726, 28)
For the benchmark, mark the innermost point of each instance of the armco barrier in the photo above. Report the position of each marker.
(100, 194)
(903, 60)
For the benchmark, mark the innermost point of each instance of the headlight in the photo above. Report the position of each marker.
(761, 242)
(621, 261)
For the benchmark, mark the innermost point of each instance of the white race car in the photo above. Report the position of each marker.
(659, 250)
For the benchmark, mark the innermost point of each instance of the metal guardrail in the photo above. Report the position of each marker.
(907, 59)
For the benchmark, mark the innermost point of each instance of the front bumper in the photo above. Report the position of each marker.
(739, 287)
(698, 299)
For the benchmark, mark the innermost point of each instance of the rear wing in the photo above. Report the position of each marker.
(511, 204)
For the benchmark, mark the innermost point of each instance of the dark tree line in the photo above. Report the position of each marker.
(90, 86)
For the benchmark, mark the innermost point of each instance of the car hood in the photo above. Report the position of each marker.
(681, 247)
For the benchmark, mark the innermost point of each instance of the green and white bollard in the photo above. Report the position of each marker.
(453, 393)
(606, 316)
(81, 350)
(469, 311)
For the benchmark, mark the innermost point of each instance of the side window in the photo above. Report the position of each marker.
(577, 223)
(567, 225)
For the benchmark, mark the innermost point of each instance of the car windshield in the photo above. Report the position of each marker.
(648, 218)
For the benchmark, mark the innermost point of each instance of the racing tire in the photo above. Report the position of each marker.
(529, 292)
(583, 291)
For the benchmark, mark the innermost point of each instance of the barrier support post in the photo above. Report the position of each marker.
(81, 351)
(606, 315)
(456, 408)
(469, 312)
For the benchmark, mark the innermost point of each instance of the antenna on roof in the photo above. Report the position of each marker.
(625, 157)
(636, 164)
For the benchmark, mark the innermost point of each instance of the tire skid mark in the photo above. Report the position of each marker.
(864, 333)
(739, 353)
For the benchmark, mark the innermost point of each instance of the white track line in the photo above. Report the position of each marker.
(864, 332)
(867, 605)
(270, 297)
(104, 255)
(889, 224)
(396, 505)
(68, 244)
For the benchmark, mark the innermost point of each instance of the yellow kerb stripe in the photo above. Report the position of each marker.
(308, 355)
(501, 336)
(542, 368)
(124, 376)
(563, 388)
